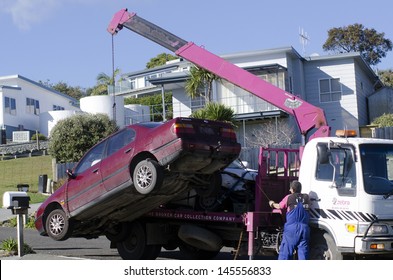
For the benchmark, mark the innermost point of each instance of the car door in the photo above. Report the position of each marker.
(115, 167)
(85, 189)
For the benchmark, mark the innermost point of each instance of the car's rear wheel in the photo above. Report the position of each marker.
(148, 175)
(58, 225)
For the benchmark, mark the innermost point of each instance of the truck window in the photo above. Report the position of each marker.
(339, 170)
(377, 167)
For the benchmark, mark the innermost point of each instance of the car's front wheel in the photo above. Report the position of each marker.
(58, 225)
(148, 175)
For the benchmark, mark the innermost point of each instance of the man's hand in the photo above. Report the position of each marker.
(271, 202)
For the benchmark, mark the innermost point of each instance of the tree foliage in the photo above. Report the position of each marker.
(159, 60)
(386, 77)
(155, 104)
(72, 137)
(356, 38)
(215, 111)
(200, 83)
(386, 120)
(103, 81)
(75, 92)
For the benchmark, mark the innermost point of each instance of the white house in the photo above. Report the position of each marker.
(339, 84)
(23, 100)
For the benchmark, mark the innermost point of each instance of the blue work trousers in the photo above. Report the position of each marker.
(295, 236)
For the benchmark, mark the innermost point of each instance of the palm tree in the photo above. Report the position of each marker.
(216, 112)
(200, 83)
(103, 81)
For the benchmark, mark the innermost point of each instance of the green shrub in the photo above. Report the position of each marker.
(386, 120)
(10, 245)
(73, 136)
(41, 137)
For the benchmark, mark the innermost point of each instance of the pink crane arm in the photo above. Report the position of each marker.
(307, 116)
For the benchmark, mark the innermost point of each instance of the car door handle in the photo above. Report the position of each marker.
(128, 150)
(95, 170)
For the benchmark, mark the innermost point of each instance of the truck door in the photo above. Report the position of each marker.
(334, 194)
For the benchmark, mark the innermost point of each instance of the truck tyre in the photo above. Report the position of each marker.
(323, 247)
(148, 175)
(134, 247)
(191, 253)
(58, 226)
(200, 238)
(119, 232)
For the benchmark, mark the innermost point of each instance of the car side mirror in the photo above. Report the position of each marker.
(70, 174)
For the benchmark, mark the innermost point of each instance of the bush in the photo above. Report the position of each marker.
(216, 112)
(72, 137)
(386, 120)
(41, 137)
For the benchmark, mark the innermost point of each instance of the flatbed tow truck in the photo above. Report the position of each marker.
(349, 181)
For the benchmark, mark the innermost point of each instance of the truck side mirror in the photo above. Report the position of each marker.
(323, 153)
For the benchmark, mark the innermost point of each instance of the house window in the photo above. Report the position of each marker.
(197, 103)
(10, 105)
(330, 90)
(58, 108)
(32, 106)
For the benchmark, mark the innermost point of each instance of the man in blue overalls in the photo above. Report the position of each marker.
(296, 230)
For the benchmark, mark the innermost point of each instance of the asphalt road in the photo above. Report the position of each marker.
(95, 249)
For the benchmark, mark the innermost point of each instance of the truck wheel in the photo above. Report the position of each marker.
(200, 238)
(151, 252)
(134, 246)
(58, 226)
(323, 247)
(191, 253)
(118, 232)
(148, 175)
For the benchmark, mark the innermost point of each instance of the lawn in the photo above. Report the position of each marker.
(24, 171)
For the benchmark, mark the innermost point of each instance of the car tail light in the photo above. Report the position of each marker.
(181, 128)
(228, 133)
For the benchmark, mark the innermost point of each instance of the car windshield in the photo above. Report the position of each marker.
(377, 164)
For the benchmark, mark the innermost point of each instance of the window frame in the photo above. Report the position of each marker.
(330, 92)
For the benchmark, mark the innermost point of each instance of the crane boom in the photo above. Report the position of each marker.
(307, 116)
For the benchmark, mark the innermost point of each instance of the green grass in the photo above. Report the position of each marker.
(24, 171)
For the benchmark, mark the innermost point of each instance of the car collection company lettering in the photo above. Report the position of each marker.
(192, 216)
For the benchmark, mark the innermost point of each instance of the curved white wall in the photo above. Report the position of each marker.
(49, 119)
(104, 104)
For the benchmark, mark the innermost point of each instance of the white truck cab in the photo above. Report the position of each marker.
(350, 183)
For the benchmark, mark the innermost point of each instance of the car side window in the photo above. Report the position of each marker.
(120, 140)
(93, 157)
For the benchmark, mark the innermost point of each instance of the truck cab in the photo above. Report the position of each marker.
(350, 183)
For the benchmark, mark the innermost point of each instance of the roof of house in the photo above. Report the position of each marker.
(36, 84)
